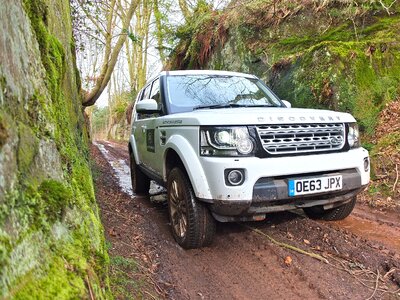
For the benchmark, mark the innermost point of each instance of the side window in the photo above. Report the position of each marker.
(155, 92)
(146, 92)
(152, 91)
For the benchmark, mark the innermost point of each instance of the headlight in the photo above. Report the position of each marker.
(225, 141)
(353, 136)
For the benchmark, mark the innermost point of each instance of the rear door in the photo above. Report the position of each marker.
(139, 129)
(146, 131)
(154, 153)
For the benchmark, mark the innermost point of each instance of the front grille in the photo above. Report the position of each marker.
(301, 138)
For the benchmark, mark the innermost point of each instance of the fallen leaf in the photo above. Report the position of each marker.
(306, 242)
(288, 260)
(113, 232)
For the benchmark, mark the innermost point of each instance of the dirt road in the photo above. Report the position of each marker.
(357, 258)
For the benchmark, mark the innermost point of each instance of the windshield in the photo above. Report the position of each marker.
(189, 92)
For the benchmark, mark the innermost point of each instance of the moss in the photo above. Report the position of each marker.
(27, 148)
(69, 257)
(56, 198)
(60, 282)
(199, 38)
(51, 50)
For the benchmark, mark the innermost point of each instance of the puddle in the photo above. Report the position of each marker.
(123, 173)
(387, 235)
(121, 169)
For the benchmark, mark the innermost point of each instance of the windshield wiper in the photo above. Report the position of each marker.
(221, 105)
(227, 105)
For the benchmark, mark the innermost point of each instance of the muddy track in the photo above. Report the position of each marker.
(359, 258)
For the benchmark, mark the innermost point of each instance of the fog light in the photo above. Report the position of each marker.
(234, 177)
(366, 164)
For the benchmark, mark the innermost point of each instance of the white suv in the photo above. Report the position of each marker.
(227, 149)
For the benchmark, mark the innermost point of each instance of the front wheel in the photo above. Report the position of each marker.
(191, 222)
(333, 214)
(140, 182)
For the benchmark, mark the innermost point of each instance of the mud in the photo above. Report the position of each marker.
(360, 255)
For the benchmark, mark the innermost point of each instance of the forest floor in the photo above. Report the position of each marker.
(357, 258)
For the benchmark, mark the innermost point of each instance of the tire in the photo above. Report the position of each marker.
(333, 214)
(140, 182)
(192, 223)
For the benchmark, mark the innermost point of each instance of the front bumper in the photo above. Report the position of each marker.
(272, 196)
(266, 186)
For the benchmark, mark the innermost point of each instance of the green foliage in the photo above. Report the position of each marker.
(134, 38)
(119, 103)
(99, 119)
(113, 116)
(390, 140)
(198, 38)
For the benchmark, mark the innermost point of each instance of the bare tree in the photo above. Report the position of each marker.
(118, 16)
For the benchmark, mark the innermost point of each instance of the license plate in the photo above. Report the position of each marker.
(306, 186)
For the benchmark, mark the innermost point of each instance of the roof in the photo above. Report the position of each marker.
(206, 72)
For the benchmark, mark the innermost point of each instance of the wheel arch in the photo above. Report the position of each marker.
(132, 149)
(189, 161)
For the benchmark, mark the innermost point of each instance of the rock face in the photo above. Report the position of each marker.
(51, 239)
(329, 54)
(341, 55)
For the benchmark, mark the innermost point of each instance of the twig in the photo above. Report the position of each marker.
(387, 8)
(359, 273)
(115, 213)
(90, 288)
(397, 179)
(376, 285)
(392, 270)
(394, 292)
(152, 296)
(291, 247)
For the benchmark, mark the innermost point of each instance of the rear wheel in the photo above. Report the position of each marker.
(192, 224)
(140, 182)
(333, 214)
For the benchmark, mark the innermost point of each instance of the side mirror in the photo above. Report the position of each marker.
(147, 106)
(287, 103)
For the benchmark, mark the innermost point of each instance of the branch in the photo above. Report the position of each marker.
(97, 24)
(108, 65)
(397, 179)
(387, 8)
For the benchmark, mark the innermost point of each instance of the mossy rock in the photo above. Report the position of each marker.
(27, 148)
(56, 198)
